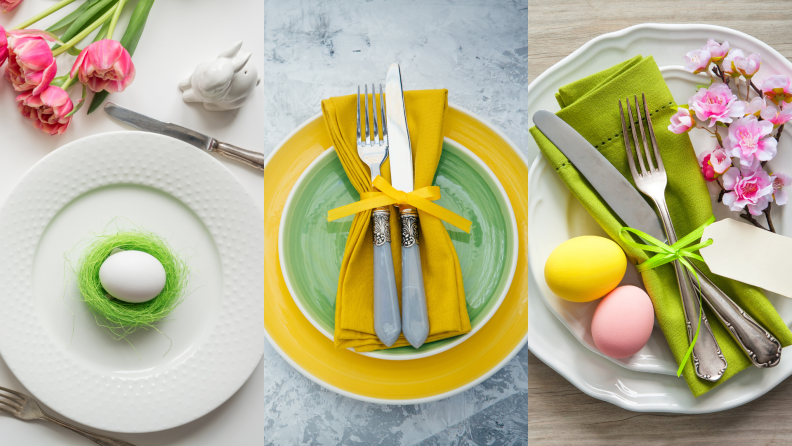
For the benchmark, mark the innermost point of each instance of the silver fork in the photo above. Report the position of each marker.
(708, 360)
(26, 408)
(373, 150)
(760, 346)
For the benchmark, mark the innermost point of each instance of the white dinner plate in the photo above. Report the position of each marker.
(555, 217)
(203, 352)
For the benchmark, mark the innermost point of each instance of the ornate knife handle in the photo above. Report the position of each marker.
(387, 321)
(760, 346)
(415, 320)
(249, 157)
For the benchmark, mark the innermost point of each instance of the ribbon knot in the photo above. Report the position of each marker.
(681, 251)
(386, 195)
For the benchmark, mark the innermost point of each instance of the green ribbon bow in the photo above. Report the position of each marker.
(666, 254)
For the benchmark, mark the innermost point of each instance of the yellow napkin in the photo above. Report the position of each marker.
(445, 294)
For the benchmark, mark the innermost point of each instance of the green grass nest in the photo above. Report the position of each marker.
(121, 318)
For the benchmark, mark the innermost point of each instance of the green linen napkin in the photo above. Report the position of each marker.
(590, 105)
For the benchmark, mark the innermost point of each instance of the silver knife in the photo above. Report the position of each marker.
(757, 343)
(145, 123)
(415, 320)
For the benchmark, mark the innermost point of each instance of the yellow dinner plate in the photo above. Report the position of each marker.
(376, 380)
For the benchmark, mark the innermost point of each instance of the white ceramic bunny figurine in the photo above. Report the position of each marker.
(225, 83)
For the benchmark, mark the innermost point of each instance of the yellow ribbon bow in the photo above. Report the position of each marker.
(420, 199)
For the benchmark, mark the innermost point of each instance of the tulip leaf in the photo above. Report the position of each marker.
(102, 31)
(80, 103)
(129, 41)
(74, 51)
(86, 19)
(60, 80)
(69, 19)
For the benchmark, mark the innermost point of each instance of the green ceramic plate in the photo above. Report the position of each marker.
(311, 248)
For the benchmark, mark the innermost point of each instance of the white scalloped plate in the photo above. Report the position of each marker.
(68, 362)
(554, 217)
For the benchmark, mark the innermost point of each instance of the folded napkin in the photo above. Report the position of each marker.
(445, 294)
(590, 105)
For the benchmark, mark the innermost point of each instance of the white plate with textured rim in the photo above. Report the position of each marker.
(570, 353)
(50, 340)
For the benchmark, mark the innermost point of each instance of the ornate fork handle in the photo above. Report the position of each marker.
(96, 438)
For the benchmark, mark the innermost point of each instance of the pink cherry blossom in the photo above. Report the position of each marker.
(9, 5)
(48, 110)
(752, 188)
(780, 181)
(714, 163)
(754, 107)
(104, 65)
(716, 103)
(716, 50)
(777, 88)
(697, 61)
(749, 140)
(747, 66)
(3, 46)
(728, 63)
(31, 65)
(777, 117)
(682, 121)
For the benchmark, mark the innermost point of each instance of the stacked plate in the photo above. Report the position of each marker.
(482, 177)
(560, 334)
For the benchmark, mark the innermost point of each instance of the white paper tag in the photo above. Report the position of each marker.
(749, 254)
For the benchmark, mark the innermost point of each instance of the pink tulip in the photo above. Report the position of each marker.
(747, 66)
(777, 88)
(714, 163)
(716, 103)
(728, 63)
(9, 5)
(3, 46)
(716, 50)
(105, 65)
(749, 140)
(681, 122)
(777, 117)
(48, 110)
(697, 61)
(780, 181)
(752, 188)
(31, 65)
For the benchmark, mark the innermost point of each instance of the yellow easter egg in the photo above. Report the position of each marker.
(585, 268)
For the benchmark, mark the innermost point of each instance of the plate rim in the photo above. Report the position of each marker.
(461, 338)
(191, 415)
(532, 345)
(519, 345)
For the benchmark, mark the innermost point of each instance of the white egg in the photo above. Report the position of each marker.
(132, 276)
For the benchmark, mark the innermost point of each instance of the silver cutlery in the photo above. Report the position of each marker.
(26, 408)
(415, 320)
(373, 150)
(760, 346)
(707, 357)
(204, 142)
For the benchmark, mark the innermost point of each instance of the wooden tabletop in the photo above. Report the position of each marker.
(558, 413)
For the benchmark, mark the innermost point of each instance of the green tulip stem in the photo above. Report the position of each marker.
(84, 33)
(114, 20)
(43, 14)
(69, 82)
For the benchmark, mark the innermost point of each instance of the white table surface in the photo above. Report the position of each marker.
(179, 35)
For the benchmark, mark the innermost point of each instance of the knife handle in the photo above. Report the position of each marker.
(415, 320)
(249, 157)
(387, 321)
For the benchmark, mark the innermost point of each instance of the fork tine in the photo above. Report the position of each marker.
(652, 135)
(374, 110)
(13, 413)
(643, 136)
(12, 398)
(14, 392)
(635, 138)
(365, 98)
(358, 115)
(627, 144)
(382, 112)
(12, 404)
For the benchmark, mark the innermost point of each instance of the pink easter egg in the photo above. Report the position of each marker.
(623, 322)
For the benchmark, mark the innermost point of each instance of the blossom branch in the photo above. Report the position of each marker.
(767, 216)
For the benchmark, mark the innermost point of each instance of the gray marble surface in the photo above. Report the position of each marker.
(477, 49)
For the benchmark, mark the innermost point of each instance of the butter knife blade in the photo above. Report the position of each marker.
(618, 193)
(147, 124)
(399, 149)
